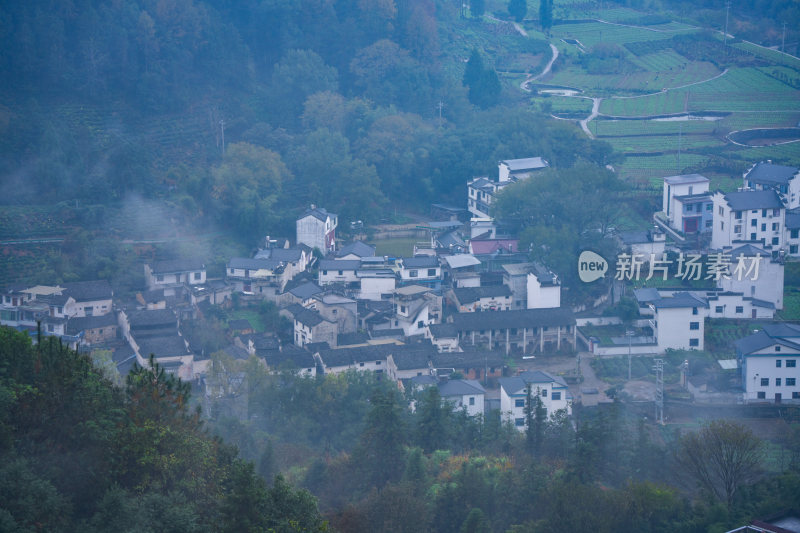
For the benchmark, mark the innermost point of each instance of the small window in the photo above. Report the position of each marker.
(519, 422)
(413, 273)
(765, 382)
(775, 226)
(718, 309)
(431, 272)
(739, 309)
(694, 310)
(360, 364)
(763, 212)
(775, 241)
(556, 395)
(544, 393)
(324, 272)
(791, 382)
(472, 400)
(737, 228)
(777, 382)
(754, 223)
(793, 249)
(694, 342)
(738, 215)
(794, 233)
(791, 363)
(721, 210)
(709, 207)
(795, 395)
(159, 278)
(420, 324)
(777, 361)
(341, 272)
(377, 363)
(519, 403)
(694, 325)
(197, 276)
(762, 395)
(778, 349)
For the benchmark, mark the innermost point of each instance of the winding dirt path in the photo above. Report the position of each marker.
(595, 111)
(543, 73)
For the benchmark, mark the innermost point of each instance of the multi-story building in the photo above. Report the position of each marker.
(481, 191)
(176, 272)
(316, 228)
(686, 202)
(551, 390)
(768, 361)
(748, 216)
(678, 322)
(782, 179)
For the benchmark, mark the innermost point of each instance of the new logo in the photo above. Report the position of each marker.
(591, 266)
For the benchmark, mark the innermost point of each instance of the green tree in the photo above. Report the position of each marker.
(535, 421)
(546, 15)
(247, 185)
(485, 93)
(380, 450)
(474, 69)
(431, 420)
(518, 9)
(477, 8)
(298, 75)
(475, 522)
(721, 457)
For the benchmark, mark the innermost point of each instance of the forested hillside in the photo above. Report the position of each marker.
(332, 102)
(77, 454)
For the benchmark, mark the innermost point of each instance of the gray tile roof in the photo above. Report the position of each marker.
(768, 173)
(466, 295)
(246, 263)
(743, 200)
(358, 248)
(679, 300)
(516, 384)
(86, 291)
(527, 318)
(443, 331)
(168, 346)
(292, 357)
(344, 339)
(339, 264)
(748, 250)
(77, 324)
(306, 290)
(470, 359)
(318, 212)
(156, 317)
(460, 387)
(421, 261)
(177, 265)
(307, 317)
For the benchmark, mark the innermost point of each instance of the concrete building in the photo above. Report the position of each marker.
(768, 362)
(481, 191)
(686, 203)
(316, 228)
(748, 216)
(551, 390)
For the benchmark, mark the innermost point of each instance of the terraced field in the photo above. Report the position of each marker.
(627, 128)
(743, 89)
(660, 144)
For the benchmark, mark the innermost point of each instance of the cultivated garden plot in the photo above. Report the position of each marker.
(633, 128)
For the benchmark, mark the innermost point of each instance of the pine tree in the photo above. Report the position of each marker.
(477, 7)
(546, 14)
(518, 9)
(474, 69)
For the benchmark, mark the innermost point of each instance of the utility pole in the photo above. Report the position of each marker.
(222, 127)
(659, 368)
(440, 105)
(783, 38)
(680, 131)
(725, 36)
(629, 334)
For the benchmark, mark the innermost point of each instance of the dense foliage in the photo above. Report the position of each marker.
(77, 454)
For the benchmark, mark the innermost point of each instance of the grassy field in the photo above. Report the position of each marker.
(659, 144)
(251, 316)
(395, 247)
(626, 128)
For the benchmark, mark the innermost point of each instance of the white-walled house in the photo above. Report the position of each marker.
(465, 394)
(88, 298)
(747, 216)
(782, 179)
(768, 361)
(678, 322)
(164, 274)
(544, 288)
(338, 271)
(552, 390)
(420, 269)
(489, 298)
(316, 228)
(644, 242)
(686, 202)
(768, 282)
(481, 191)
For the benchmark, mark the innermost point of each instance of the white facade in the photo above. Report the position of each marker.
(316, 228)
(545, 295)
(770, 364)
(553, 393)
(374, 286)
(169, 273)
(676, 187)
(678, 323)
(338, 271)
(767, 285)
(761, 219)
(464, 394)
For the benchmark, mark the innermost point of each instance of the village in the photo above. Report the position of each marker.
(469, 312)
